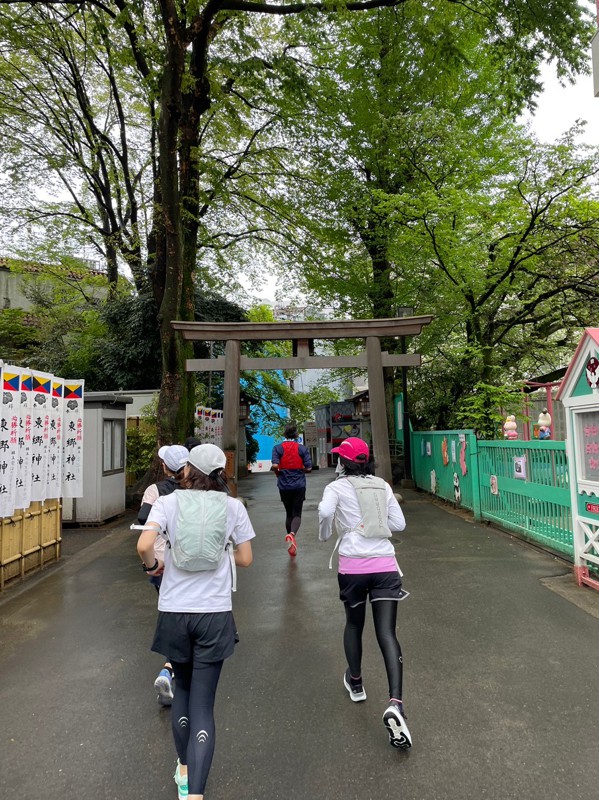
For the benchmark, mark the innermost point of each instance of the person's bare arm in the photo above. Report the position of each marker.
(243, 554)
(145, 548)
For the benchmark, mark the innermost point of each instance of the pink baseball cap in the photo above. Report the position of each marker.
(353, 449)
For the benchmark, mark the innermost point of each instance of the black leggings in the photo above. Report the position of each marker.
(384, 614)
(192, 716)
(293, 500)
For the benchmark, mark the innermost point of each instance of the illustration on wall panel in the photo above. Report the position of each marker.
(457, 492)
(339, 432)
(463, 465)
(444, 452)
(520, 467)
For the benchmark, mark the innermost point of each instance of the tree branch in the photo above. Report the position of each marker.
(297, 8)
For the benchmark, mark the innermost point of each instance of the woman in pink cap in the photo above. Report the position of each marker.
(365, 511)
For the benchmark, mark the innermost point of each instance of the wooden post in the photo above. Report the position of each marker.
(378, 414)
(231, 409)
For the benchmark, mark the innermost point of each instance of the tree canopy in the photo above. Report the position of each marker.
(188, 138)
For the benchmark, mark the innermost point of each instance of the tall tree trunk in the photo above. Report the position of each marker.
(175, 403)
(382, 297)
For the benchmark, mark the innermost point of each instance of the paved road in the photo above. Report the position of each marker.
(501, 654)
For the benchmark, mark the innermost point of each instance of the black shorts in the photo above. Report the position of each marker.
(293, 500)
(355, 589)
(199, 638)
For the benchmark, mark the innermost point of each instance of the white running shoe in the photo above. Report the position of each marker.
(395, 722)
(356, 690)
(164, 686)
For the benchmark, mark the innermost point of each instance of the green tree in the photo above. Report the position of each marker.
(509, 262)
(395, 131)
(482, 409)
(18, 337)
(64, 322)
(190, 59)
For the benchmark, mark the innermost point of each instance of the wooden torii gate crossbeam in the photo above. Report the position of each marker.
(301, 333)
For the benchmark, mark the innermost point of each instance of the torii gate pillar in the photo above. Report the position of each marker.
(378, 413)
(231, 410)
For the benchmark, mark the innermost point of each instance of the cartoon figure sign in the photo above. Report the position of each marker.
(592, 372)
(457, 492)
(444, 451)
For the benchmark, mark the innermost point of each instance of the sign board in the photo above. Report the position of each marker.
(310, 434)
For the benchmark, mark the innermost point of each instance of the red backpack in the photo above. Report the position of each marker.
(291, 458)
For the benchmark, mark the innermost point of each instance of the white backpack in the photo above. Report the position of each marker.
(201, 542)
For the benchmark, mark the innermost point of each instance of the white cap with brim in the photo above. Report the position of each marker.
(206, 458)
(172, 456)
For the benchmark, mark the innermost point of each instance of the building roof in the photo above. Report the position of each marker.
(592, 333)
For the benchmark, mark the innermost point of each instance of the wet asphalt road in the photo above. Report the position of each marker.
(501, 655)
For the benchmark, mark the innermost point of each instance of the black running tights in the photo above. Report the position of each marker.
(192, 716)
(293, 500)
(384, 613)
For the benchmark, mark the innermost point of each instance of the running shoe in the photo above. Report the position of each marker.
(164, 686)
(355, 688)
(181, 781)
(291, 544)
(395, 722)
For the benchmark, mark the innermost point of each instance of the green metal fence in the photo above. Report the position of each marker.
(442, 464)
(521, 486)
(524, 487)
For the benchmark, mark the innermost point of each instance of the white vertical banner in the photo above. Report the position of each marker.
(72, 439)
(202, 423)
(9, 437)
(218, 428)
(40, 434)
(54, 477)
(198, 421)
(209, 425)
(24, 454)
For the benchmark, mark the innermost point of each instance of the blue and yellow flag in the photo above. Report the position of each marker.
(41, 384)
(73, 390)
(10, 381)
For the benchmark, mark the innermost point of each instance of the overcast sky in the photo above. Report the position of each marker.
(559, 108)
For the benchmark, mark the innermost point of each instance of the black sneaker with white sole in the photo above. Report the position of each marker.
(397, 728)
(355, 688)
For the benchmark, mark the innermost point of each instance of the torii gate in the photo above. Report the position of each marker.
(302, 334)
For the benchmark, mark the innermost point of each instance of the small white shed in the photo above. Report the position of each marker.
(104, 461)
(579, 393)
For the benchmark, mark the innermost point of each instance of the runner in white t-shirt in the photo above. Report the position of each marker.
(195, 621)
(171, 457)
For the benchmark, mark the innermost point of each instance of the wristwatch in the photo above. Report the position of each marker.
(150, 569)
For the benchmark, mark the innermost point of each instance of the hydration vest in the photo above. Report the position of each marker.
(166, 486)
(201, 542)
(372, 499)
(291, 458)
